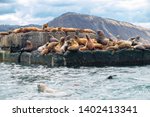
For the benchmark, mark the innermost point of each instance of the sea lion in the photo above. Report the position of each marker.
(53, 39)
(124, 44)
(89, 43)
(114, 48)
(86, 31)
(51, 46)
(28, 47)
(29, 29)
(88, 46)
(18, 30)
(72, 45)
(111, 77)
(81, 41)
(41, 48)
(48, 47)
(69, 29)
(58, 48)
(140, 47)
(147, 46)
(101, 38)
(45, 26)
(4, 33)
(44, 88)
(98, 46)
(45, 51)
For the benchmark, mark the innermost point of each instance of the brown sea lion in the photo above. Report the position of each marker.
(57, 48)
(41, 48)
(48, 48)
(114, 48)
(69, 29)
(89, 43)
(51, 46)
(81, 41)
(101, 38)
(124, 44)
(45, 51)
(88, 46)
(28, 47)
(18, 30)
(45, 26)
(29, 29)
(86, 31)
(72, 45)
(4, 33)
(98, 46)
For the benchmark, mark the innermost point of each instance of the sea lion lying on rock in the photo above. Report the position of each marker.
(45, 26)
(58, 48)
(28, 47)
(49, 48)
(86, 31)
(4, 33)
(88, 46)
(124, 44)
(41, 48)
(101, 38)
(72, 45)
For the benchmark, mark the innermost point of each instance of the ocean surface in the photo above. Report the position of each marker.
(84, 83)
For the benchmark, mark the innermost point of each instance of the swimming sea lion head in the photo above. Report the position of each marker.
(41, 87)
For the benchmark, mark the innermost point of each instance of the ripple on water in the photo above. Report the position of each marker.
(20, 82)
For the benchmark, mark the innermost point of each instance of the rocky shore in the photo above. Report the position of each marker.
(11, 43)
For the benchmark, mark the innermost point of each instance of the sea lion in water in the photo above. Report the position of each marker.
(111, 77)
(44, 88)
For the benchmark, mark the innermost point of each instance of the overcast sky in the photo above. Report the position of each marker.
(24, 12)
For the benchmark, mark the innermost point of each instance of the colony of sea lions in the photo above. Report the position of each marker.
(100, 43)
(76, 43)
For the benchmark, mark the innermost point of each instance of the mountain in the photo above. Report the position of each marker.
(111, 28)
(4, 28)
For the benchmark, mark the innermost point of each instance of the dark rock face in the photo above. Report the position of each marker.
(111, 28)
(76, 59)
(18, 40)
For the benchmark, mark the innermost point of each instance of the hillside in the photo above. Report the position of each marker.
(111, 27)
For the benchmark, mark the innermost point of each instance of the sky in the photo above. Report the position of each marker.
(22, 12)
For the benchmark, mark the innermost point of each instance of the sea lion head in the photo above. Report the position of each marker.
(41, 87)
(62, 39)
(100, 33)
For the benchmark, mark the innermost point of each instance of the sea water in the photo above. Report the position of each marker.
(84, 83)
